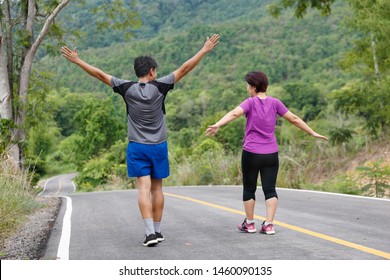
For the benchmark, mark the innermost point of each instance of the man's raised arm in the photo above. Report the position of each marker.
(73, 57)
(193, 61)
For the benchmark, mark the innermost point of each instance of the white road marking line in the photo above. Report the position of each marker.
(74, 186)
(63, 247)
(337, 194)
(44, 187)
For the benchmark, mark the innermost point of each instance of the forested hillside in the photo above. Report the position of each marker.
(286, 48)
(85, 122)
(158, 17)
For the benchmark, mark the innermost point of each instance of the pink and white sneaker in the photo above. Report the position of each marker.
(250, 228)
(269, 229)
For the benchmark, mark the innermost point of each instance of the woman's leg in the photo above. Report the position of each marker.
(269, 173)
(270, 210)
(249, 207)
(250, 173)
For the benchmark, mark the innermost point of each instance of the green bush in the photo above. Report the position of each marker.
(377, 177)
(95, 172)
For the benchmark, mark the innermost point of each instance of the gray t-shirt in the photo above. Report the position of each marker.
(145, 108)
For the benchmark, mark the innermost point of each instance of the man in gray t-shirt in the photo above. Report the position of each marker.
(147, 151)
(145, 108)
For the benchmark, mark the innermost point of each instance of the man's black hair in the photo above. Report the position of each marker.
(143, 64)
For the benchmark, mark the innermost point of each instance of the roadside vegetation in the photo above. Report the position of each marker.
(17, 198)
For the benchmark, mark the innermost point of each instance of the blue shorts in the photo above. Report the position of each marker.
(147, 159)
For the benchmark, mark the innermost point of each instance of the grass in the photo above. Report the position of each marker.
(17, 199)
(320, 168)
(210, 168)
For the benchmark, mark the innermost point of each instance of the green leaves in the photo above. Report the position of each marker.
(377, 176)
(6, 125)
(303, 99)
(365, 100)
(99, 23)
(116, 15)
(340, 135)
(301, 6)
(98, 125)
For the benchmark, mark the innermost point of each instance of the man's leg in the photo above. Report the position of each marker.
(145, 206)
(157, 199)
(158, 207)
(144, 184)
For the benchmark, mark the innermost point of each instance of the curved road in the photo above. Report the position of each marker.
(200, 224)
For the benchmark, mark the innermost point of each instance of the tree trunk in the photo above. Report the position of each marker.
(19, 133)
(377, 75)
(6, 109)
(5, 87)
(8, 43)
(5, 91)
(376, 66)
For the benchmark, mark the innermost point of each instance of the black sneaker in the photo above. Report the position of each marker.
(150, 240)
(159, 236)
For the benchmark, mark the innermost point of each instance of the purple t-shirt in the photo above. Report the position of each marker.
(261, 115)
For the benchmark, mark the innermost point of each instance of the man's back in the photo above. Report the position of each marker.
(145, 108)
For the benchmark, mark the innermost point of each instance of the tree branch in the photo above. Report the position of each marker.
(46, 27)
(31, 12)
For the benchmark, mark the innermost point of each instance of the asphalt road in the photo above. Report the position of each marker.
(200, 222)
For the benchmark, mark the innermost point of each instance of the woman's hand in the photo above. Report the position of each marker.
(212, 130)
(316, 135)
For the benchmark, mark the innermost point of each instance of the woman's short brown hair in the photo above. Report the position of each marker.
(258, 80)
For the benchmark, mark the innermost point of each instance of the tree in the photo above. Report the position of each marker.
(15, 70)
(363, 99)
(340, 136)
(371, 17)
(23, 26)
(301, 6)
(369, 97)
(376, 176)
(306, 99)
(370, 56)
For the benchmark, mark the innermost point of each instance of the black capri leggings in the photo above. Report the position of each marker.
(267, 165)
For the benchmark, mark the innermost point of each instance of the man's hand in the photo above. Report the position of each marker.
(73, 57)
(211, 43)
(192, 62)
(70, 55)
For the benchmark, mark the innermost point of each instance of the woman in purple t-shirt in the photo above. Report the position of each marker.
(260, 150)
